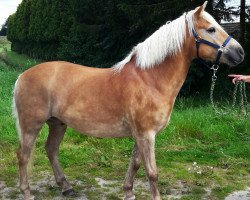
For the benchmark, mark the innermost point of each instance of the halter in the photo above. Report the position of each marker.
(199, 40)
(239, 84)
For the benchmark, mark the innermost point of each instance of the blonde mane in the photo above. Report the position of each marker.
(166, 41)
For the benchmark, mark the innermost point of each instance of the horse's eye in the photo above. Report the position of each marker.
(211, 30)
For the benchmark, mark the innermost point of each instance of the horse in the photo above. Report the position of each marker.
(134, 98)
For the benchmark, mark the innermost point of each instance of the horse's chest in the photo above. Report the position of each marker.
(152, 119)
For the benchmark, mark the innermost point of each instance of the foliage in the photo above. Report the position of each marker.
(220, 11)
(37, 27)
(100, 33)
(90, 32)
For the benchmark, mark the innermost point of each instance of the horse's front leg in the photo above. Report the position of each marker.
(146, 146)
(130, 176)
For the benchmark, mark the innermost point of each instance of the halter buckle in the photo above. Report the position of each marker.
(197, 38)
(221, 48)
(215, 67)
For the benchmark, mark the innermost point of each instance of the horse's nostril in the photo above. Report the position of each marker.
(241, 52)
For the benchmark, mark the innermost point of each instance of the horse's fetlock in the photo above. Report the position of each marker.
(127, 187)
(60, 180)
(25, 188)
(153, 176)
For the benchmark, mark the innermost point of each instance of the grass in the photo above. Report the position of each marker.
(196, 152)
(4, 44)
(17, 61)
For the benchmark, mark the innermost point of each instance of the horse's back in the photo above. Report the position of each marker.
(50, 69)
(59, 75)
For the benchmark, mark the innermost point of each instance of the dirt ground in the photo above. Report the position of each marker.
(106, 187)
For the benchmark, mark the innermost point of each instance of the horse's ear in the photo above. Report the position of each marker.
(200, 9)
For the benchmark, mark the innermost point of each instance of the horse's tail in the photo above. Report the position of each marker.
(14, 110)
(18, 127)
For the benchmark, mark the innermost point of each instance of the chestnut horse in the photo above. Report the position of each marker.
(134, 98)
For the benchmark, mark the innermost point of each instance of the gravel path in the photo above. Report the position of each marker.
(106, 187)
(239, 195)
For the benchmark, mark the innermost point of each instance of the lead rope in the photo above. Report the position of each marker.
(239, 90)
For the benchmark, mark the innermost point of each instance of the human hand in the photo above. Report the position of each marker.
(237, 77)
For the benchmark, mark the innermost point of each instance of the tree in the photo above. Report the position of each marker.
(91, 32)
(242, 20)
(100, 32)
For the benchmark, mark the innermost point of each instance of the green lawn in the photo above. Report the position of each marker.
(199, 154)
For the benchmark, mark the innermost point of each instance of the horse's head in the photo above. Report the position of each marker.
(216, 39)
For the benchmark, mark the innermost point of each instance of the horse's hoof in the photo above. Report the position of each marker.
(28, 196)
(69, 193)
(32, 197)
(129, 198)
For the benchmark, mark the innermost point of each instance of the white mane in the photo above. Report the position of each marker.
(166, 41)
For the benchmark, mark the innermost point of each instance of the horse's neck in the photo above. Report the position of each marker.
(169, 76)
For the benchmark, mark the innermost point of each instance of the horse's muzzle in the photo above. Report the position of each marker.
(234, 54)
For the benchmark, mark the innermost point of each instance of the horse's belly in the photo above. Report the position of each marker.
(101, 129)
(105, 131)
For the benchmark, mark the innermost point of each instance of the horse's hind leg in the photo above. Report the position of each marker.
(56, 133)
(28, 135)
(130, 176)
